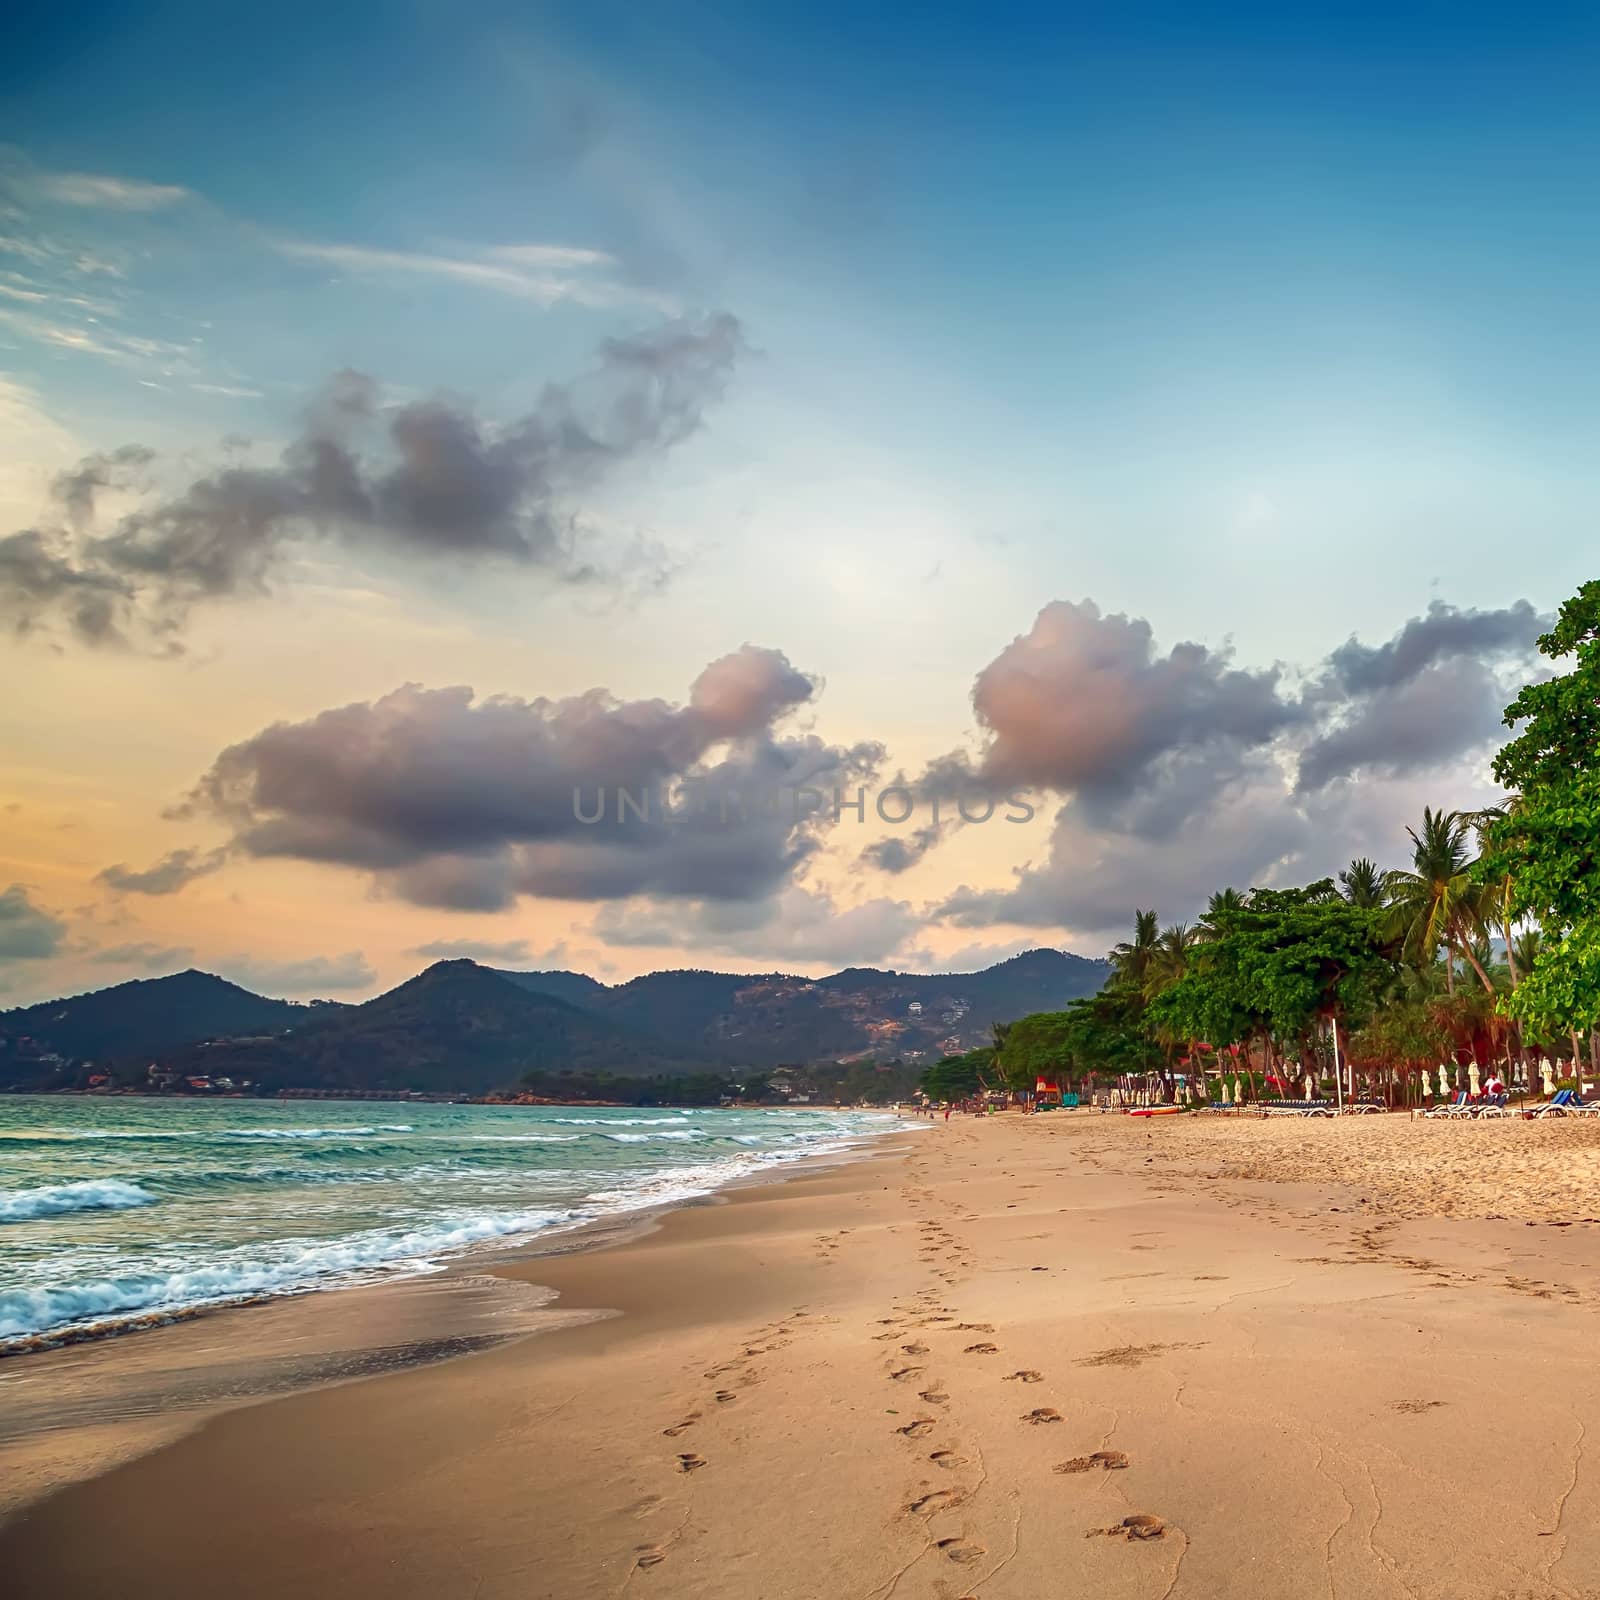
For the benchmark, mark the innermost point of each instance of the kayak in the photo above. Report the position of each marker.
(1155, 1111)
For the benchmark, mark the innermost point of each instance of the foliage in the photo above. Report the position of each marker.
(1548, 843)
(960, 1077)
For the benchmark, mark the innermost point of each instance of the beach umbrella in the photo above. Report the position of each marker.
(1444, 1082)
(1238, 1089)
(1472, 1080)
(1225, 1099)
(1311, 1088)
(1549, 1078)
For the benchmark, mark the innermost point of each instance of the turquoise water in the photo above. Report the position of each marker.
(118, 1209)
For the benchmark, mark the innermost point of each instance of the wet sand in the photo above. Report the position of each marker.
(1066, 1355)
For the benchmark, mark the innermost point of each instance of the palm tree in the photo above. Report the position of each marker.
(1170, 959)
(1438, 903)
(1221, 904)
(1130, 960)
(1363, 883)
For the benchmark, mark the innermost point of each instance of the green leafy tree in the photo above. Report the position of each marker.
(960, 1077)
(1548, 845)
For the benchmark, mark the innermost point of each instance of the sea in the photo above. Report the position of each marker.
(117, 1212)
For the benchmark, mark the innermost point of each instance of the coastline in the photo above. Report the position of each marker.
(74, 1409)
(954, 1368)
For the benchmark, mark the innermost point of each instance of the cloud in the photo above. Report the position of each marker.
(1443, 633)
(486, 950)
(426, 479)
(107, 343)
(1433, 692)
(1420, 723)
(799, 925)
(314, 975)
(545, 274)
(112, 194)
(174, 871)
(146, 956)
(27, 932)
(450, 801)
(895, 854)
(1179, 774)
(1083, 702)
(1093, 876)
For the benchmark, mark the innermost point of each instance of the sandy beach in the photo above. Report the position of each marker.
(1063, 1355)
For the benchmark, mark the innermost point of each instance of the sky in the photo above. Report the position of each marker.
(1170, 427)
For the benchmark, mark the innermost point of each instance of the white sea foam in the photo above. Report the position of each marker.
(57, 1199)
(294, 1265)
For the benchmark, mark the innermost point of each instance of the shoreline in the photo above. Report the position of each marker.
(485, 1296)
(642, 1192)
(958, 1369)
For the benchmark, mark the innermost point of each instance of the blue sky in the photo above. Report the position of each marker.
(1272, 326)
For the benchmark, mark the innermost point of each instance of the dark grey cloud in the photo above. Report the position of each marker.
(39, 581)
(1415, 724)
(466, 804)
(172, 872)
(898, 853)
(27, 931)
(76, 488)
(1443, 633)
(1424, 698)
(427, 478)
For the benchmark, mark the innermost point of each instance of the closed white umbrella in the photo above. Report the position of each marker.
(1444, 1083)
(1549, 1078)
(1225, 1099)
(1472, 1080)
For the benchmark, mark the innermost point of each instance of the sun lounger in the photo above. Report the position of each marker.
(1295, 1108)
(1458, 1105)
(1564, 1103)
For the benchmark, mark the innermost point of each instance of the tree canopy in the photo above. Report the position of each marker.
(1546, 843)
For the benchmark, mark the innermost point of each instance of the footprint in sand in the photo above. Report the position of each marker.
(960, 1550)
(690, 1463)
(725, 1397)
(650, 1555)
(1026, 1375)
(947, 1459)
(918, 1429)
(934, 1397)
(904, 1373)
(1041, 1414)
(939, 1500)
(678, 1427)
(981, 1350)
(915, 1349)
(973, 1327)
(1141, 1525)
(1106, 1460)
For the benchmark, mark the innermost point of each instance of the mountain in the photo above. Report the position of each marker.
(456, 1028)
(459, 1028)
(144, 1018)
(777, 1018)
